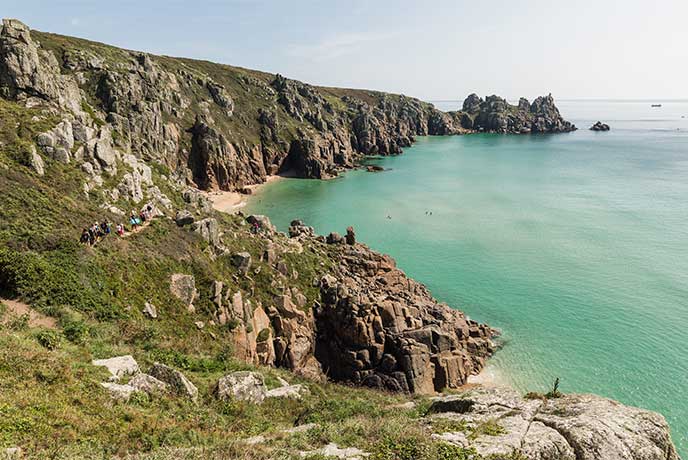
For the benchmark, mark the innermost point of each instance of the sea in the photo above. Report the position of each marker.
(575, 246)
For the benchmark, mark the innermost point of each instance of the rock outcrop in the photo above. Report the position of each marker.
(496, 115)
(371, 324)
(379, 328)
(599, 126)
(499, 422)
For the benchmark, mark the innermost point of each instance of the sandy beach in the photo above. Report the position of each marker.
(231, 202)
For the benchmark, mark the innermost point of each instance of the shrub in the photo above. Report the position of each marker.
(48, 339)
(554, 392)
(76, 331)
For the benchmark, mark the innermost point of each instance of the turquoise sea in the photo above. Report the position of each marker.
(574, 245)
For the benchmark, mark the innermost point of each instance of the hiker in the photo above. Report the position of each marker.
(134, 221)
(84, 236)
(96, 231)
(120, 229)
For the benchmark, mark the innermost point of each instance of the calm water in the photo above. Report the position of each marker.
(574, 245)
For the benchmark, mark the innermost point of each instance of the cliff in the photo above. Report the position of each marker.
(223, 127)
(207, 335)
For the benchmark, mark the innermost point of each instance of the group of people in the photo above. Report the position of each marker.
(93, 234)
(136, 220)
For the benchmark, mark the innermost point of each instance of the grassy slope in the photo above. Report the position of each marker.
(51, 403)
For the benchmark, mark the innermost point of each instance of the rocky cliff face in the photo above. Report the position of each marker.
(378, 328)
(371, 326)
(220, 127)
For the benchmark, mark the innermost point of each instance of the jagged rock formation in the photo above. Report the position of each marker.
(495, 114)
(378, 328)
(371, 326)
(219, 127)
(571, 427)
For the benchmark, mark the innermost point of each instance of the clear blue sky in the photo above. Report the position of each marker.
(442, 49)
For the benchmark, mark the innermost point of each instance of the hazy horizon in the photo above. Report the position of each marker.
(616, 50)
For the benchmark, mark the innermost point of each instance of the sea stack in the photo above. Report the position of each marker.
(599, 126)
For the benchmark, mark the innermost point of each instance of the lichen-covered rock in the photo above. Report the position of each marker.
(147, 384)
(288, 391)
(119, 366)
(183, 287)
(242, 261)
(36, 162)
(242, 386)
(183, 217)
(572, 427)
(332, 450)
(208, 229)
(175, 379)
(150, 310)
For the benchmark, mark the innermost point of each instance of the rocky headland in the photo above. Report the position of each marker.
(219, 307)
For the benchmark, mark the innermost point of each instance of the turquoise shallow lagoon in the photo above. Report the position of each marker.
(574, 245)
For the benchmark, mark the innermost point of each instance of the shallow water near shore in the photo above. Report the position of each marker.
(574, 245)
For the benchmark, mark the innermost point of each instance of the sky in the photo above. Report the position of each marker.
(434, 50)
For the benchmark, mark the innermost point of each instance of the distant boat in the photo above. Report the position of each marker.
(656, 105)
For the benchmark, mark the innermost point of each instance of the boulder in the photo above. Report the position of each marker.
(332, 450)
(36, 162)
(141, 383)
(208, 229)
(147, 384)
(183, 287)
(242, 261)
(150, 310)
(118, 366)
(242, 386)
(12, 453)
(350, 236)
(334, 238)
(175, 379)
(183, 218)
(298, 228)
(117, 391)
(262, 221)
(288, 391)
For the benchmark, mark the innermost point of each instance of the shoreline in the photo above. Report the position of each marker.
(233, 202)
